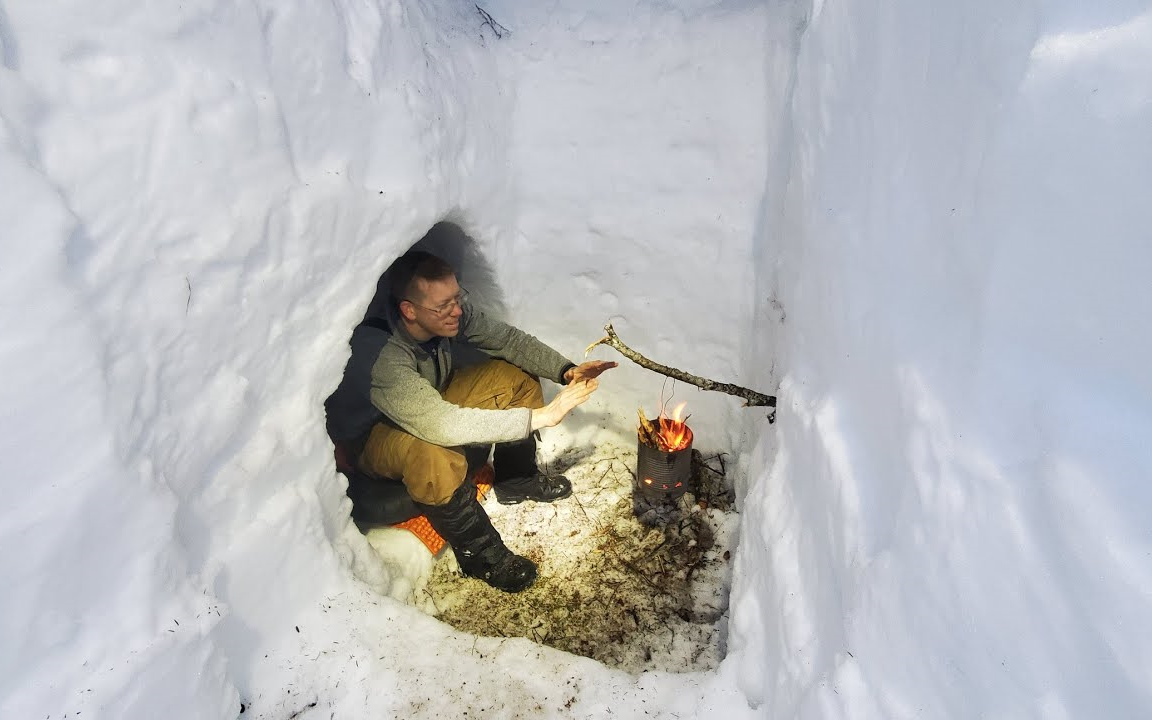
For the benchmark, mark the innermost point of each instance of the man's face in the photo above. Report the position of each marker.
(436, 306)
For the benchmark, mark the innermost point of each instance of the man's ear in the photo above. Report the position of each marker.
(407, 311)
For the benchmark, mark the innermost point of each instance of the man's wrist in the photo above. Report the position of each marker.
(566, 373)
(540, 418)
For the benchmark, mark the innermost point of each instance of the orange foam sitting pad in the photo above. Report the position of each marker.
(421, 528)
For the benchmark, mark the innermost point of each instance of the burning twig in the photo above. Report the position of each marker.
(648, 431)
(667, 434)
(751, 397)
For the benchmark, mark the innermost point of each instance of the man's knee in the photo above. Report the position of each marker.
(526, 390)
(433, 473)
(495, 385)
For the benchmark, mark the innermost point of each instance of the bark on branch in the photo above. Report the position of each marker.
(751, 397)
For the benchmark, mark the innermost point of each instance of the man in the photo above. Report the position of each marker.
(406, 412)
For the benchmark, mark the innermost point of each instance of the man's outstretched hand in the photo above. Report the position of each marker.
(587, 371)
(571, 395)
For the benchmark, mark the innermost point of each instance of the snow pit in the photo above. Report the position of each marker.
(925, 222)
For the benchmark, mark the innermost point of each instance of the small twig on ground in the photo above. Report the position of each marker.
(599, 489)
(611, 466)
(497, 28)
(718, 456)
(638, 573)
(599, 492)
(302, 710)
(581, 506)
(751, 397)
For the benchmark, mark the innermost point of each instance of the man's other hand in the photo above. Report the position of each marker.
(587, 371)
(570, 396)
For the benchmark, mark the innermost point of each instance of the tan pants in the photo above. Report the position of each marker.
(430, 472)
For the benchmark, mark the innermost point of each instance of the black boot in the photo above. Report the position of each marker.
(479, 549)
(519, 479)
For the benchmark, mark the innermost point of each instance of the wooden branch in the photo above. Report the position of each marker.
(751, 397)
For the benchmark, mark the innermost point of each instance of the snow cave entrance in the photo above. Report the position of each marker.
(633, 595)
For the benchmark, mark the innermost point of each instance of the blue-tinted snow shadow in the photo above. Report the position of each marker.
(1076, 17)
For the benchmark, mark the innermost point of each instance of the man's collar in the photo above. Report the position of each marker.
(397, 324)
(405, 337)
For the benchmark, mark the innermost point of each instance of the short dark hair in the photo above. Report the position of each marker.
(412, 266)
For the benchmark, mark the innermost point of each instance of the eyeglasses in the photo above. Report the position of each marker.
(446, 309)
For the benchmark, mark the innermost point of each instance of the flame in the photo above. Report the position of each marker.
(674, 433)
(668, 434)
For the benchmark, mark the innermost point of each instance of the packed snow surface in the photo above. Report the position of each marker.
(923, 224)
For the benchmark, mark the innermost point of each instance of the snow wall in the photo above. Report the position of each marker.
(198, 202)
(955, 257)
(922, 220)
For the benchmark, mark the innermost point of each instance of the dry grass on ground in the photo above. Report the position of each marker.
(611, 588)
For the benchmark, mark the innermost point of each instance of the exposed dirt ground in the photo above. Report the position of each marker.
(635, 595)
